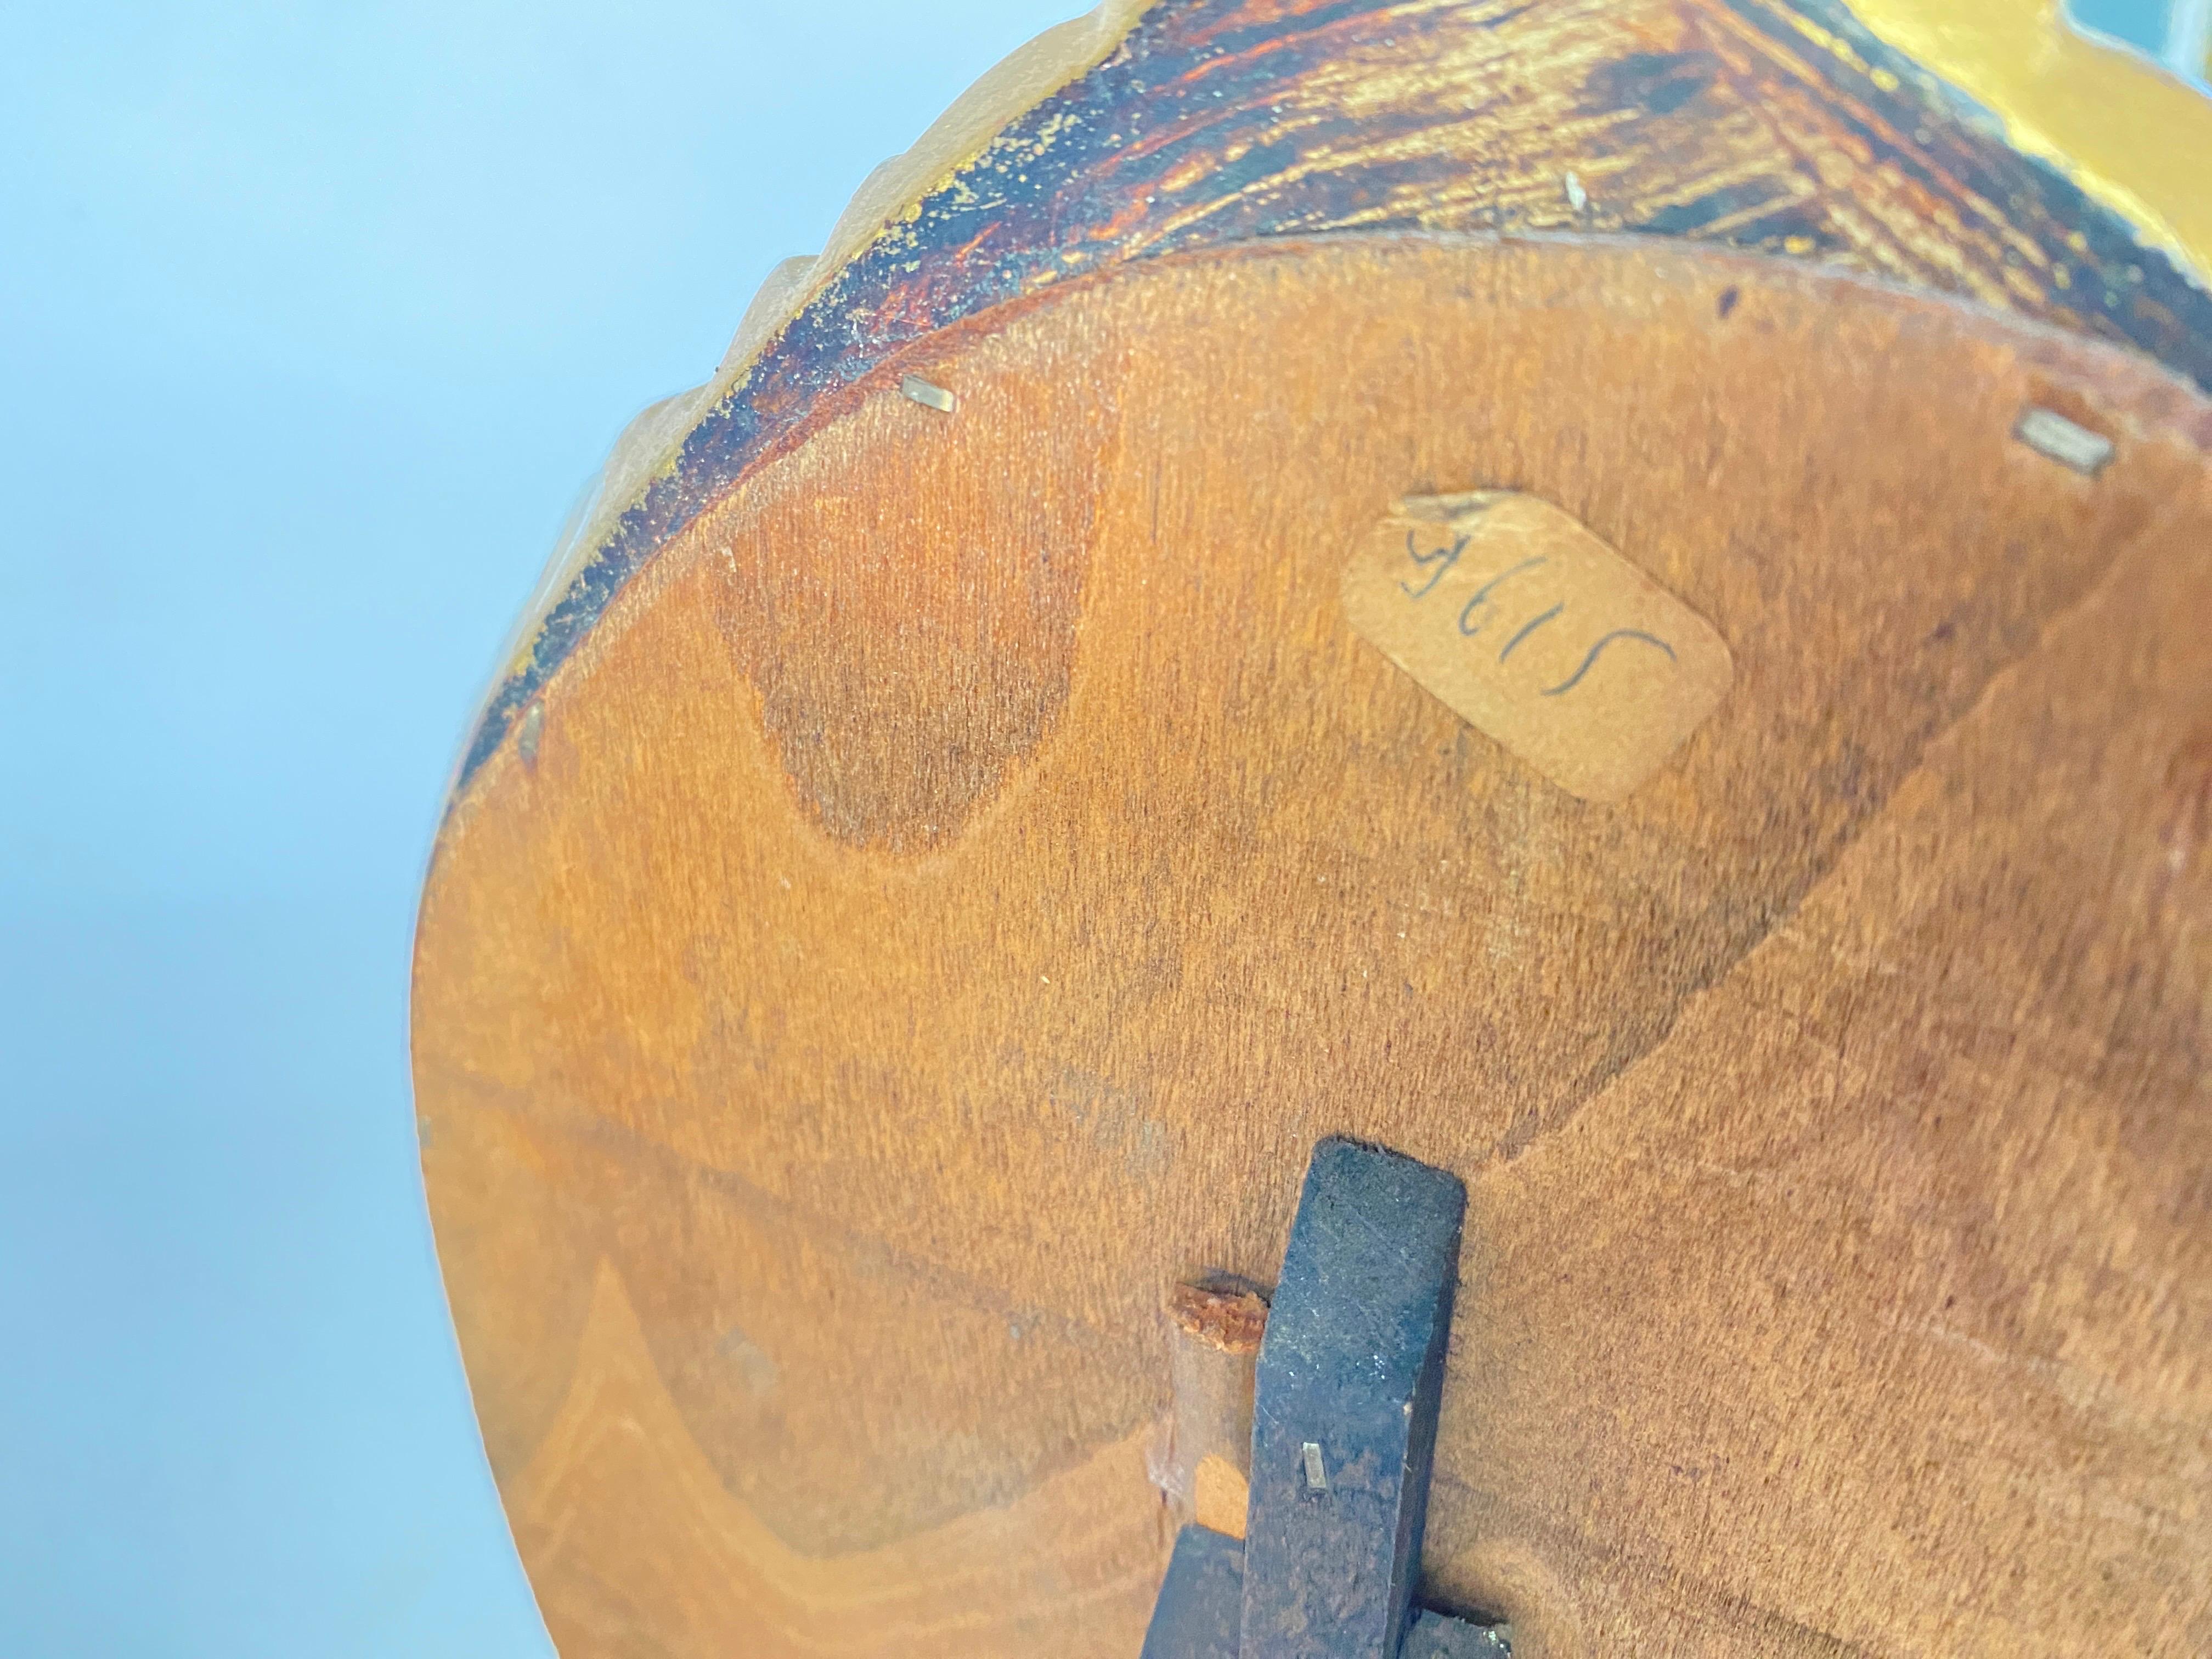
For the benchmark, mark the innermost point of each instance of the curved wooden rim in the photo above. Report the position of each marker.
(1781, 126)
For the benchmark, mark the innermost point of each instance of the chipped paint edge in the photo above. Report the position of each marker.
(896, 194)
(2131, 135)
(894, 190)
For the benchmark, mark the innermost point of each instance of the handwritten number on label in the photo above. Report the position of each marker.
(1575, 678)
(1448, 556)
(1473, 617)
(1481, 597)
(1530, 627)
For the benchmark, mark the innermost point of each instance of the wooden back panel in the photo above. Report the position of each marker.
(942, 900)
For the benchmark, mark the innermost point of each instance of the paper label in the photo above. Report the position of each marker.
(1516, 618)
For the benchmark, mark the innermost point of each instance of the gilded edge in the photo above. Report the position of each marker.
(1197, 122)
(2098, 113)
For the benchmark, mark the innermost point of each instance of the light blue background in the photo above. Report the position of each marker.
(313, 320)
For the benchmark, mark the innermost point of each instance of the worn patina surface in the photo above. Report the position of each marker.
(972, 865)
(1777, 125)
(956, 855)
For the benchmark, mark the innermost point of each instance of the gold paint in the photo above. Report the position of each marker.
(891, 195)
(2135, 139)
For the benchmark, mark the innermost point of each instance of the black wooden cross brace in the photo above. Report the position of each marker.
(1344, 1424)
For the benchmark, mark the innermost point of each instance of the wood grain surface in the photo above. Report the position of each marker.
(1780, 127)
(945, 897)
